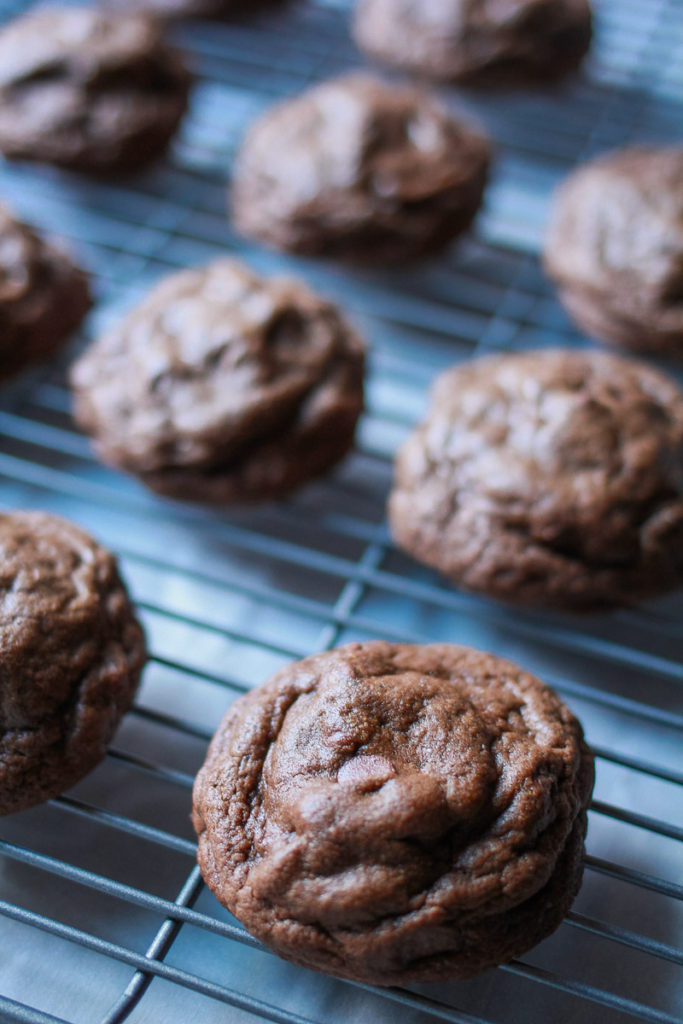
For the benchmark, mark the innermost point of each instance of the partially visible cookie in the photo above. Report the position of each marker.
(192, 8)
(551, 477)
(359, 169)
(476, 41)
(396, 814)
(43, 296)
(71, 653)
(615, 248)
(86, 90)
(222, 386)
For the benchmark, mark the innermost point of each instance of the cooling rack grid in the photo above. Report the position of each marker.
(103, 915)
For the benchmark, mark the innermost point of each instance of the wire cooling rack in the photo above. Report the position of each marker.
(103, 914)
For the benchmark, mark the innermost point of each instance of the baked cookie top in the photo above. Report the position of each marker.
(87, 89)
(243, 383)
(477, 41)
(43, 296)
(387, 812)
(71, 652)
(552, 476)
(615, 247)
(361, 169)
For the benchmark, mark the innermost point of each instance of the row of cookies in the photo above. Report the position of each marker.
(551, 476)
(375, 172)
(100, 91)
(366, 170)
(547, 477)
(225, 387)
(614, 245)
(383, 812)
(470, 41)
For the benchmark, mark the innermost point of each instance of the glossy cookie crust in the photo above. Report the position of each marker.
(223, 386)
(71, 653)
(478, 42)
(396, 814)
(553, 477)
(91, 91)
(361, 170)
(615, 249)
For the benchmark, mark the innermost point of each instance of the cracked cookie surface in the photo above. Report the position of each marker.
(615, 248)
(366, 170)
(476, 41)
(43, 296)
(551, 477)
(71, 653)
(394, 814)
(223, 386)
(87, 90)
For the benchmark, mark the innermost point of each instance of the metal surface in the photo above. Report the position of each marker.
(104, 917)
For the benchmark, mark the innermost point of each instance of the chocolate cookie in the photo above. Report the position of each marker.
(552, 477)
(71, 653)
(615, 248)
(223, 386)
(476, 41)
(43, 296)
(396, 814)
(89, 91)
(359, 169)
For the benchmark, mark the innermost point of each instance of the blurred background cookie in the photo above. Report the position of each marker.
(361, 169)
(476, 41)
(191, 8)
(71, 654)
(615, 248)
(43, 296)
(223, 386)
(88, 90)
(553, 477)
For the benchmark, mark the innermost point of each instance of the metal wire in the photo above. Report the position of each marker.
(226, 597)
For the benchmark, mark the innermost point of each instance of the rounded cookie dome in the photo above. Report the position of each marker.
(223, 386)
(359, 169)
(391, 813)
(549, 477)
(71, 653)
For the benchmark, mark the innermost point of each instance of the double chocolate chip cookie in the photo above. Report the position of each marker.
(396, 814)
(89, 91)
(223, 386)
(615, 248)
(476, 41)
(71, 653)
(359, 169)
(43, 296)
(552, 477)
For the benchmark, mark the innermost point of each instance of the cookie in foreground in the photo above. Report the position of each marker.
(71, 654)
(43, 296)
(223, 386)
(395, 814)
(552, 477)
(476, 42)
(359, 169)
(91, 91)
(614, 248)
